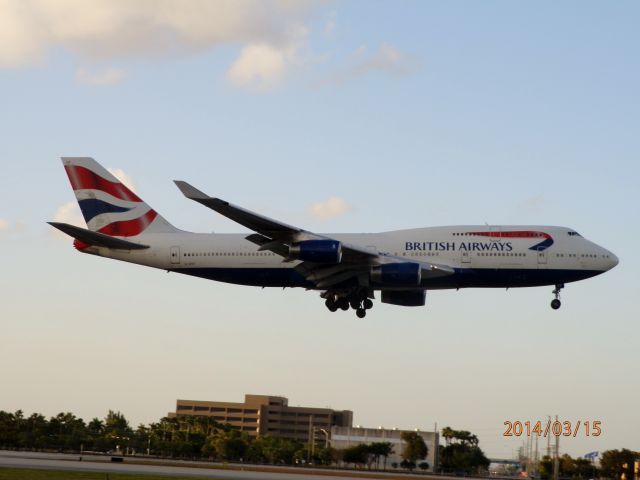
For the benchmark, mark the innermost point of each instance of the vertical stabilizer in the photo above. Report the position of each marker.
(108, 205)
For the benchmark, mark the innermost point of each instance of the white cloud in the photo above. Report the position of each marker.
(262, 66)
(107, 29)
(271, 35)
(124, 178)
(330, 208)
(102, 78)
(258, 66)
(388, 59)
(69, 213)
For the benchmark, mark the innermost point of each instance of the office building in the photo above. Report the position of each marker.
(270, 415)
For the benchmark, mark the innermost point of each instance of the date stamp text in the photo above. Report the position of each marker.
(556, 428)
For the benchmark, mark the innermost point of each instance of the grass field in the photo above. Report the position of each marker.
(34, 474)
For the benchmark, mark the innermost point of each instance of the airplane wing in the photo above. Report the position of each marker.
(253, 221)
(277, 237)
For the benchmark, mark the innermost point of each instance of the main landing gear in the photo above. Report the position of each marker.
(556, 303)
(357, 301)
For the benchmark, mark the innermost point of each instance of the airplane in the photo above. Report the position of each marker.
(347, 269)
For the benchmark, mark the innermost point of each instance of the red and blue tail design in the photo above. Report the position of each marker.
(538, 247)
(107, 205)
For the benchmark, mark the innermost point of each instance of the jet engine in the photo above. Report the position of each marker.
(405, 298)
(317, 251)
(397, 274)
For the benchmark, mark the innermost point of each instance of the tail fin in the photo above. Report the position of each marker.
(108, 206)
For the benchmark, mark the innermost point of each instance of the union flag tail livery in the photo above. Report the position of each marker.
(347, 268)
(108, 205)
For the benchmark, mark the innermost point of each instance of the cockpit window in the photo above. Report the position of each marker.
(574, 234)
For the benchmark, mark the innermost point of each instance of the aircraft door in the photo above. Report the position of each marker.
(175, 255)
(466, 257)
(542, 259)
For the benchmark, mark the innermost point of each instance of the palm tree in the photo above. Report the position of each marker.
(448, 433)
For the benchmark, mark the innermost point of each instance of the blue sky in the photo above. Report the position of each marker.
(410, 115)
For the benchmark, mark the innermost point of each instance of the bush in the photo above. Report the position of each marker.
(408, 464)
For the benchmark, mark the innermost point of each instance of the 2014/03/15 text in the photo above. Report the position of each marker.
(590, 428)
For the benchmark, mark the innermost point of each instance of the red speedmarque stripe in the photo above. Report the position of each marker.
(513, 234)
(82, 178)
(129, 228)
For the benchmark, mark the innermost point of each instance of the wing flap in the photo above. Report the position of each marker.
(265, 243)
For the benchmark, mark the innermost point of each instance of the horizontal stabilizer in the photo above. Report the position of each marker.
(95, 238)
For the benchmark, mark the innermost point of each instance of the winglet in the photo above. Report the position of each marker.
(190, 191)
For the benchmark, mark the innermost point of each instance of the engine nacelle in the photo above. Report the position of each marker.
(397, 274)
(318, 251)
(405, 298)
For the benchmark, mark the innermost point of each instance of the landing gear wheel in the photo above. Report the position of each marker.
(361, 313)
(367, 304)
(555, 303)
(331, 305)
(355, 304)
(343, 304)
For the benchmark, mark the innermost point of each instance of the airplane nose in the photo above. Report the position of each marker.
(612, 260)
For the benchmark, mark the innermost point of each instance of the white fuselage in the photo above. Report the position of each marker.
(483, 256)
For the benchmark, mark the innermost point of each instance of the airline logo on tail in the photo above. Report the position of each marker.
(107, 205)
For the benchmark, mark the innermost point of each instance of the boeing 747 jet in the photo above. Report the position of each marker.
(347, 269)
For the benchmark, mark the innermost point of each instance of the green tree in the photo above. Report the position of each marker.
(585, 468)
(231, 445)
(66, 431)
(356, 454)
(568, 467)
(95, 427)
(380, 449)
(324, 455)
(615, 463)
(461, 452)
(459, 436)
(33, 432)
(414, 448)
(273, 450)
(447, 434)
(545, 467)
(116, 425)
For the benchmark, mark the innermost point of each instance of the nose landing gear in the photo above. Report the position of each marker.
(556, 303)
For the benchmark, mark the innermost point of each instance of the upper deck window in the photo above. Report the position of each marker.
(574, 234)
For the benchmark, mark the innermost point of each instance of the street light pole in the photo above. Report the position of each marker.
(327, 435)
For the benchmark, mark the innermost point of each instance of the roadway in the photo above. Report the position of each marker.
(101, 464)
